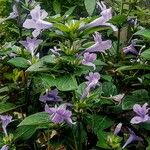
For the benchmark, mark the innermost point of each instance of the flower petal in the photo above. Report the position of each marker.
(29, 24)
(136, 120)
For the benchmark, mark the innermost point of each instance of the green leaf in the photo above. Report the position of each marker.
(70, 11)
(1, 140)
(48, 59)
(24, 132)
(4, 89)
(146, 54)
(109, 89)
(134, 67)
(136, 97)
(61, 27)
(80, 90)
(37, 119)
(145, 125)
(63, 83)
(92, 30)
(5, 107)
(41, 65)
(98, 122)
(90, 6)
(56, 7)
(66, 83)
(19, 62)
(106, 78)
(145, 33)
(118, 20)
(102, 140)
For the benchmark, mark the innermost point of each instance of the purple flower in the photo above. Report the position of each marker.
(106, 15)
(93, 79)
(132, 138)
(37, 23)
(31, 44)
(130, 49)
(5, 147)
(88, 59)
(5, 121)
(13, 14)
(99, 46)
(118, 97)
(118, 128)
(51, 96)
(59, 114)
(141, 112)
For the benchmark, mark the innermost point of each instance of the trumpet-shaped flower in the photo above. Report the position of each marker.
(59, 114)
(5, 121)
(132, 138)
(106, 15)
(51, 96)
(118, 128)
(130, 49)
(37, 23)
(5, 147)
(93, 79)
(14, 13)
(117, 98)
(31, 44)
(99, 46)
(88, 59)
(142, 114)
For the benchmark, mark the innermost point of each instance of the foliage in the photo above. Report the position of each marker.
(64, 88)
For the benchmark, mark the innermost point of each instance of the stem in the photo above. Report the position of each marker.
(121, 10)
(79, 135)
(118, 45)
(119, 34)
(48, 135)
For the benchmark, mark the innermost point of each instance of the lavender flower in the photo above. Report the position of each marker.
(118, 128)
(5, 121)
(13, 14)
(106, 15)
(59, 114)
(118, 97)
(51, 96)
(141, 112)
(99, 46)
(37, 23)
(5, 147)
(89, 59)
(31, 44)
(93, 79)
(132, 138)
(130, 49)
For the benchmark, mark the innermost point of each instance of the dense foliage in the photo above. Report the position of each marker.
(74, 75)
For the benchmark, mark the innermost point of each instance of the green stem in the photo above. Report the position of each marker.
(118, 45)
(79, 135)
(119, 34)
(48, 135)
(121, 10)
